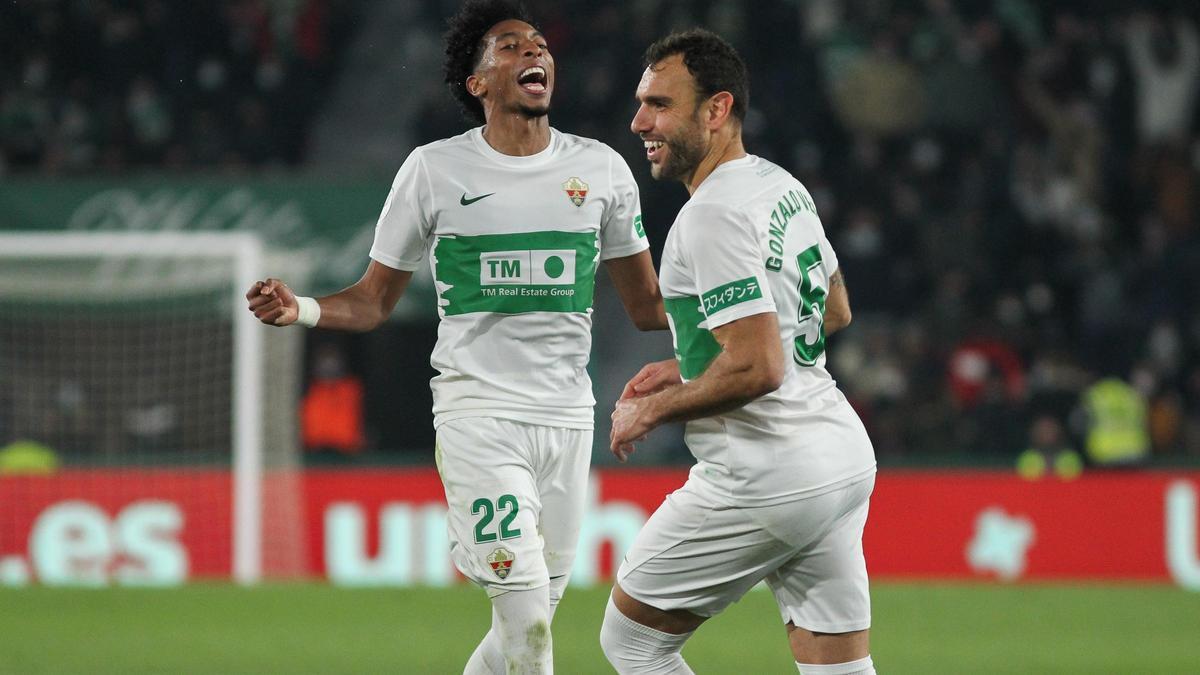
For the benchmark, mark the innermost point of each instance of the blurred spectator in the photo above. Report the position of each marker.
(1048, 450)
(983, 368)
(27, 457)
(1165, 55)
(331, 413)
(1116, 428)
(879, 94)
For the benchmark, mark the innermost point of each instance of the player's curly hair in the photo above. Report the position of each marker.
(464, 32)
(713, 62)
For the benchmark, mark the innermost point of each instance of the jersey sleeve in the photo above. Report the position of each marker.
(726, 262)
(621, 231)
(403, 231)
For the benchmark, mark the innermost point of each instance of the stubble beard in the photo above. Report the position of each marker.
(684, 153)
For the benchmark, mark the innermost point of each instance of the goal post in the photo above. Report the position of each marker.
(131, 357)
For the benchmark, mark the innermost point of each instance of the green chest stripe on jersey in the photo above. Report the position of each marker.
(517, 273)
(732, 293)
(695, 347)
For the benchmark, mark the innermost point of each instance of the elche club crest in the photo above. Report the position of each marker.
(501, 561)
(576, 190)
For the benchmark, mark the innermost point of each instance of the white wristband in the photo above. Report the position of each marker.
(309, 311)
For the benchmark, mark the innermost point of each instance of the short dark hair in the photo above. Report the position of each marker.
(464, 32)
(713, 63)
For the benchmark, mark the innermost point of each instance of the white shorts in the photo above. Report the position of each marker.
(696, 555)
(515, 493)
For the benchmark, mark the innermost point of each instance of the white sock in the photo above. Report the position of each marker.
(863, 666)
(519, 640)
(487, 658)
(633, 648)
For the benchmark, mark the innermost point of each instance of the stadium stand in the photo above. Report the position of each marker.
(1012, 185)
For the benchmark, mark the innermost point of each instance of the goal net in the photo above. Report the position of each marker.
(140, 442)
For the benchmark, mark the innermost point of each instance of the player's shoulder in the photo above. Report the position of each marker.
(446, 147)
(708, 209)
(707, 217)
(727, 198)
(571, 141)
(744, 180)
(582, 144)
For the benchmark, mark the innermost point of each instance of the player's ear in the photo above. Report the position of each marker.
(720, 106)
(476, 86)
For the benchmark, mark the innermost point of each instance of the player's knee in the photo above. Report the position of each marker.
(633, 648)
(522, 622)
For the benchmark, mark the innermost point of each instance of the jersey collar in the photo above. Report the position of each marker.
(512, 161)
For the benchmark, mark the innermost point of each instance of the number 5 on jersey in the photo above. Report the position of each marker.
(810, 318)
(506, 503)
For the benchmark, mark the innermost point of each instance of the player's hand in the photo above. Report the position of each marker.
(632, 420)
(273, 303)
(653, 378)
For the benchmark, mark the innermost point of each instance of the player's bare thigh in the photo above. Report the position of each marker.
(675, 622)
(817, 648)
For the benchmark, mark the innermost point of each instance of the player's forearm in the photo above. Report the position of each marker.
(728, 384)
(837, 305)
(350, 310)
(835, 322)
(645, 309)
(637, 285)
(366, 304)
(650, 316)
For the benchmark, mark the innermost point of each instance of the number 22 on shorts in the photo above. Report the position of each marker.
(506, 503)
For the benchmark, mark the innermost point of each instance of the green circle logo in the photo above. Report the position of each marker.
(554, 267)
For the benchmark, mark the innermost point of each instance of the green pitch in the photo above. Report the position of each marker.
(318, 629)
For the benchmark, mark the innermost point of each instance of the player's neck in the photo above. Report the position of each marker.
(517, 135)
(726, 147)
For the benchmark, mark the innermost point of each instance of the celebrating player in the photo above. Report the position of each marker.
(514, 216)
(784, 467)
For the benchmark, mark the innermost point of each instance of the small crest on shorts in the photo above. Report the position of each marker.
(576, 190)
(501, 561)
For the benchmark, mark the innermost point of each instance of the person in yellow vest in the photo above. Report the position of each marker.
(27, 457)
(1117, 432)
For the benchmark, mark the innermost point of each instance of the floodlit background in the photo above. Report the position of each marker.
(1013, 189)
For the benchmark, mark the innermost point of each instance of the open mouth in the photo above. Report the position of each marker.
(654, 149)
(533, 80)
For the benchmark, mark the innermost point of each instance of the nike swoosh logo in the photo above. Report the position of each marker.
(467, 202)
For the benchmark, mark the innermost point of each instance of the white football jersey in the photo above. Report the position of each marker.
(513, 243)
(747, 242)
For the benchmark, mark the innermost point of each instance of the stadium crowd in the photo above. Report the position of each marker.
(1012, 186)
(110, 85)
